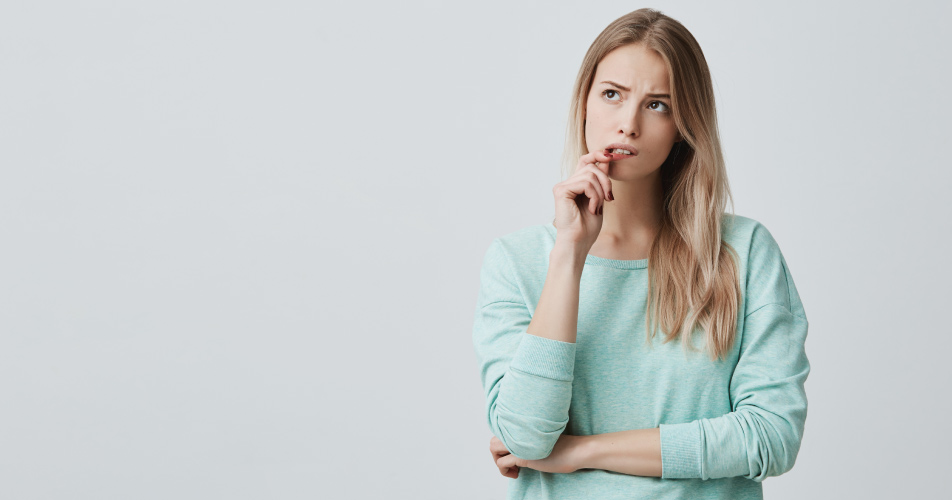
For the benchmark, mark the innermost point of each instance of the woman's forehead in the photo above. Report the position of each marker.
(633, 66)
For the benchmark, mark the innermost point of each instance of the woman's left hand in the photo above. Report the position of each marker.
(565, 457)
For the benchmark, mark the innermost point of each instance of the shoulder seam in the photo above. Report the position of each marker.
(782, 306)
(502, 302)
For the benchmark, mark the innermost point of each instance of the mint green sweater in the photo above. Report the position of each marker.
(725, 426)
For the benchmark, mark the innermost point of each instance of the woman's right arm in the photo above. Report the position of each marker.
(556, 315)
(527, 361)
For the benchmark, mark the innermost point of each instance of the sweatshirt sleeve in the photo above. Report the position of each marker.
(761, 437)
(527, 379)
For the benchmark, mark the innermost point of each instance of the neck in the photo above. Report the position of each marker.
(634, 217)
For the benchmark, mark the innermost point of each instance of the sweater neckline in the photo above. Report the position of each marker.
(603, 262)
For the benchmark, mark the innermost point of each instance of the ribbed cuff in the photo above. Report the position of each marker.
(681, 450)
(545, 357)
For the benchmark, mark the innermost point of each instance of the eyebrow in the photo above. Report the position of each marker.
(626, 89)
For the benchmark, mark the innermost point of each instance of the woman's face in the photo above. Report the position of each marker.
(629, 104)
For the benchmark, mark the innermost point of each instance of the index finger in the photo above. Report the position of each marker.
(600, 157)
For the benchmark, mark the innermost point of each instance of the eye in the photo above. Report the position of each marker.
(666, 107)
(605, 92)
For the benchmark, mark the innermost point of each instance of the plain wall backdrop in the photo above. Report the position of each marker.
(241, 240)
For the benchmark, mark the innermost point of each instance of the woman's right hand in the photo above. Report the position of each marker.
(579, 201)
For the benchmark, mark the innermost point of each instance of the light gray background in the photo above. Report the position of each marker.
(241, 241)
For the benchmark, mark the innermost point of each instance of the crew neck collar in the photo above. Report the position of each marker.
(603, 262)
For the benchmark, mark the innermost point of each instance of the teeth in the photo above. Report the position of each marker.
(621, 151)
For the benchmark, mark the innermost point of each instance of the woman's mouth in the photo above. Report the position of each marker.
(622, 151)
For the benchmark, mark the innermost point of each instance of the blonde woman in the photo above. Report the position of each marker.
(646, 343)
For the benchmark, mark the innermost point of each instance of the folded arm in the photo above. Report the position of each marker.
(527, 361)
(636, 452)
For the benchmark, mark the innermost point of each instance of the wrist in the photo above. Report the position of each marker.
(564, 254)
(584, 450)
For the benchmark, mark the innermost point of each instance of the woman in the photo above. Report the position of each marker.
(581, 401)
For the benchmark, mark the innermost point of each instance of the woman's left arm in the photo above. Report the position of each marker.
(761, 437)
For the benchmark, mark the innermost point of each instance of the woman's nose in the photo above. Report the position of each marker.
(629, 122)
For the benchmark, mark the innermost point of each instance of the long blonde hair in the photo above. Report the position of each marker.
(692, 284)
